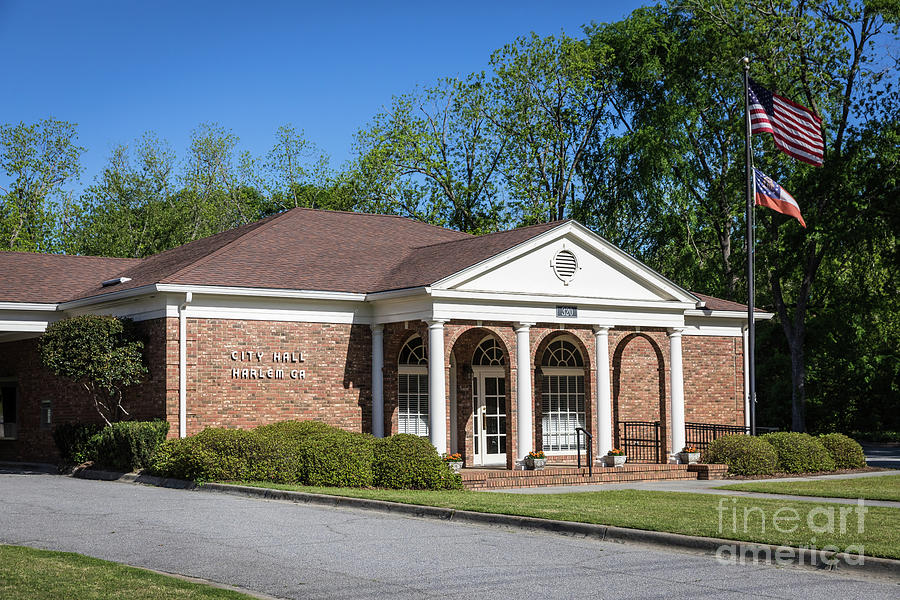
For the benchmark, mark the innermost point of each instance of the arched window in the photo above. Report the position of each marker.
(562, 396)
(489, 354)
(412, 388)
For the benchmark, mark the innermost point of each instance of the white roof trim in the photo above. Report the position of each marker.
(729, 314)
(28, 306)
(617, 256)
(507, 297)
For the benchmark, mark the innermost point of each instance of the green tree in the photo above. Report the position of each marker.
(550, 99)
(129, 210)
(38, 159)
(298, 173)
(433, 155)
(102, 354)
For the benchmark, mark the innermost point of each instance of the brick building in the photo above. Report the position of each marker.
(490, 345)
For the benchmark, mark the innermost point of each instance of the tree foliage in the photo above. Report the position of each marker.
(102, 354)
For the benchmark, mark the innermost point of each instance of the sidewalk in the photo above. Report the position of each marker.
(707, 487)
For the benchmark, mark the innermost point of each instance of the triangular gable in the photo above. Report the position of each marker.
(543, 265)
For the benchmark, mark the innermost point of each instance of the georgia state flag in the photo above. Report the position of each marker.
(771, 195)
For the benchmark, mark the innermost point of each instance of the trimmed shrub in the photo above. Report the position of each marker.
(296, 429)
(340, 459)
(744, 455)
(73, 441)
(128, 445)
(799, 452)
(217, 454)
(406, 461)
(844, 451)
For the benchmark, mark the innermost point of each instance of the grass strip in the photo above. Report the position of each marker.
(886, 487)
(674, 512)
(30, 574)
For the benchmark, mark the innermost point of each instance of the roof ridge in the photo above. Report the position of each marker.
(370, 214)
(485, 235)
(26, 253)
(261, 226)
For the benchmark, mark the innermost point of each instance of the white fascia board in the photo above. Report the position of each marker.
(546, 313)
(261, 292)
(32, 306)
(728, 314)
(23, 326)
(403, 293)
(581, 301)
(214, 290)
(589, 238)
(271, 308)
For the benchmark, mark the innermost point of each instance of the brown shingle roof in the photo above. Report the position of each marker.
(52, 278)
(301, 249)
(713, 303)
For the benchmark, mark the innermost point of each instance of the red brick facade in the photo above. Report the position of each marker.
(336, 387)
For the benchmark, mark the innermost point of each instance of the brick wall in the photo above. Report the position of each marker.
(70, 402)
(713, 379)
(336, 387)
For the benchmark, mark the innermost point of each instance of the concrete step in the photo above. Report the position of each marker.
(482, 479)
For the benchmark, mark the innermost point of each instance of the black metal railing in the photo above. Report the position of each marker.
(700, 435)
(640, 440)
(589, 448)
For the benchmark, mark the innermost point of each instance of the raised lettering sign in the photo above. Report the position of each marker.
(566, 312)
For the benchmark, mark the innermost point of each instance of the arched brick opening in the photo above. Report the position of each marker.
(538, 380)
(463, 350)
(639, 385)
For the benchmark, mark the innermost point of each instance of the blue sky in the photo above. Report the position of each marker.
(121, 68)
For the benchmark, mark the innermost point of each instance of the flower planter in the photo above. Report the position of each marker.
(689, 458)
(535, 464)
(614, 461)
(455, 465)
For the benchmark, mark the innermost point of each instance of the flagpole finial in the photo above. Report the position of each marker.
(746, 61)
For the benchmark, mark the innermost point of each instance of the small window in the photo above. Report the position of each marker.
(8, 410)
(46, 414)
(489, 353)
(412, 388)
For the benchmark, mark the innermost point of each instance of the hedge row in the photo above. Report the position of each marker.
(305, 453)
(785, 452)
(123, 446)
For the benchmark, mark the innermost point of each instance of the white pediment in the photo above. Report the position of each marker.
(545, 266)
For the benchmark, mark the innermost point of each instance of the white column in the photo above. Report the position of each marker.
(524, 399)
(182, 365)
(378, 380)
(437, 398)
(745, 337)
(604, 397)
(676, 382)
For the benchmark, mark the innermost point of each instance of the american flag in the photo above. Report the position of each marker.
(797, 130)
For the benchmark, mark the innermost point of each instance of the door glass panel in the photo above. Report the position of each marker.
(493, 445)
(490, 386)
(492, 425)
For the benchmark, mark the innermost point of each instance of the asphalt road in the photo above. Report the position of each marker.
(296, 551)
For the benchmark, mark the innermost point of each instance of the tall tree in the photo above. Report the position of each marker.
(828, 55)
(129, 210)
(433, 155)
(550, 100)
(298, 173)
(39, 159)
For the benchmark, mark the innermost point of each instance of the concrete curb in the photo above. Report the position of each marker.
(868, 567)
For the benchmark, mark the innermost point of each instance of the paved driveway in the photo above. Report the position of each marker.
(296, 551)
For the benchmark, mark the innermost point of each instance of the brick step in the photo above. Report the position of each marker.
(482, 479)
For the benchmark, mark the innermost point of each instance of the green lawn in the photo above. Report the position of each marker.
(885, 487)
(675, 512)
(29, 574)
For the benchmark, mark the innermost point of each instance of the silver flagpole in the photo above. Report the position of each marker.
(751, 251)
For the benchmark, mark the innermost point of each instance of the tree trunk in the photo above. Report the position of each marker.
(798, 383)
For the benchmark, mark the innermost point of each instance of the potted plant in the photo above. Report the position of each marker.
(615, 458)
(454, 461)
(689, 455)
(536, 460)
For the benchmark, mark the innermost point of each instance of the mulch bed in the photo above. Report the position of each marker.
(786, 475)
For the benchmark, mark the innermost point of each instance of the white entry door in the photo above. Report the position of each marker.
(489, 416)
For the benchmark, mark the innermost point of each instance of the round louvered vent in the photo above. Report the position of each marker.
(565, 265)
